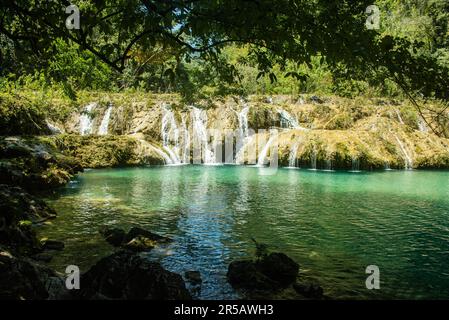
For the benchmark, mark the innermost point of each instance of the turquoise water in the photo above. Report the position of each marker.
(334, 224)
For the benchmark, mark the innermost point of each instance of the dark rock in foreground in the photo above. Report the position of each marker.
(312, 291)
(279, 267)
(244, 274)
(194, 277)
(114, 236)
(271, 272)
(272, 276)
(23, 279)
(126, 275)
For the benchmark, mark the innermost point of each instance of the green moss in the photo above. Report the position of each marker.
(102, 151)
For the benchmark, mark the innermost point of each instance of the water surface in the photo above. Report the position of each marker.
(334, 224)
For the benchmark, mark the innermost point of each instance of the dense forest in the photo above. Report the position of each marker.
(204, 48)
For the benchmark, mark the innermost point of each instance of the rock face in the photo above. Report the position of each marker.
(126, 275)
(271, 272)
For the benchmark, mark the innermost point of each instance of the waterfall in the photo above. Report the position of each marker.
(399, 116)
(313, 160)
(292, 158)
(287, 121)
(200, 135)
(53, 128)
(407, 158)
(264, 152)
(167, 159)
(86, 121)
(328, 165)
(243, 121)
(186, 140)
(170, 132)
(387, 166)
(422, 125)
(355, 165)
(103, 130)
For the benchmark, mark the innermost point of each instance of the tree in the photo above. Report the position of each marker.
(276, 31)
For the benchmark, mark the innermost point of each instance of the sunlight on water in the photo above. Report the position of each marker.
(333, 223)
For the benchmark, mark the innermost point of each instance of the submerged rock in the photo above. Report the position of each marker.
(312, 291)
(135, 232)
(126, 275)
(137, 239)
(140, 243)
(52, 245)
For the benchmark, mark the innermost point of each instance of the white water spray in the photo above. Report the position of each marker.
(86, 121)
(103, 130)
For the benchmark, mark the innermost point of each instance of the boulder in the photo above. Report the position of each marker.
(140, 243)
(194, 277)
(243, 274)
(135, 232)
(113, 236)
(24, 279)
(126, 275)
(279, 267)
(271, 272)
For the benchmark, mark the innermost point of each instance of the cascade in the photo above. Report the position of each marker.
(145, 144)
(407, 158)
(170, 133)
(103, 130)
(86, 121)
(399, 116)
(355, 165)
(292, 158)
(243, 121)
(287, 121)
(264, 152)
(200, 135)
(328, 165)
(186, 140)
(313, 160)
(53, 128)
(422, 125)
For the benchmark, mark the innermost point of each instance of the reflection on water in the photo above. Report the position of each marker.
(333, 224)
